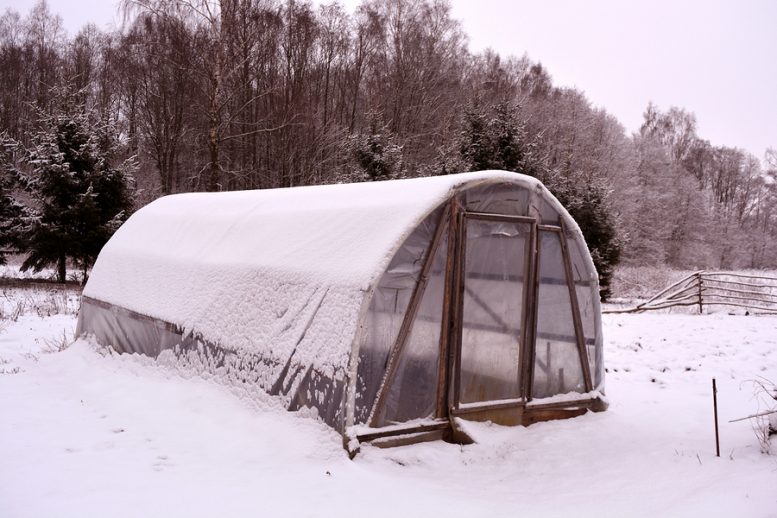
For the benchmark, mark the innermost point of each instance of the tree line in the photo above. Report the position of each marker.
(252, 94)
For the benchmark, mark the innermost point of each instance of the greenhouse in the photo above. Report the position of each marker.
(391, 310)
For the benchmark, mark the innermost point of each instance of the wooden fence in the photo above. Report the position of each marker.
(704, 289)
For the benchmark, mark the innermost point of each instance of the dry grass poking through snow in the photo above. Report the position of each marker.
(46, 311)
(43, 301)
(764, 421)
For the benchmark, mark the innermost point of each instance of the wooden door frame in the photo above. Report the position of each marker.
(455, 406)
(453, 219)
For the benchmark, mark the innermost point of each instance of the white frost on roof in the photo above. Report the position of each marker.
(252, 270)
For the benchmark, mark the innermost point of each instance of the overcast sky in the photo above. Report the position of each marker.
(715, 58)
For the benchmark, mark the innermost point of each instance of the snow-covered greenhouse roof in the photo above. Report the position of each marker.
(291, 277)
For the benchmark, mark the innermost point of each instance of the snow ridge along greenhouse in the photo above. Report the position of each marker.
(390, 309)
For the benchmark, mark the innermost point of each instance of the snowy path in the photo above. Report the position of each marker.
(83, 434)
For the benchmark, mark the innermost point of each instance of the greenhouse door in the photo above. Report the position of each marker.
(495, 262)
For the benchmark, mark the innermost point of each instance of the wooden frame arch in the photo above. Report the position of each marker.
(522, 410)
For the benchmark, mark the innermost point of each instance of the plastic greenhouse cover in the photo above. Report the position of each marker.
(413, 393)
(297, 386)
(246, 268)
(283, 275)
(387, 312)
(557, 365)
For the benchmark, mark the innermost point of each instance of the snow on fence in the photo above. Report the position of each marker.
(753, 292)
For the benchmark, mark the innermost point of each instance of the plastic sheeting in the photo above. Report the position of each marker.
(297, 385)
(547, 213)
(557, 365)
(494, 273)
(387, 311)
(413, 393)
(511, 200)
(127, 331)
(586, 287)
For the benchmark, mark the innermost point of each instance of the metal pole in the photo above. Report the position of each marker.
(715, 406)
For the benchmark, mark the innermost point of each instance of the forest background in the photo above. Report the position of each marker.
(204, 95)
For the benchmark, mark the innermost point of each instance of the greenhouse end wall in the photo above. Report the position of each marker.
(566, 354)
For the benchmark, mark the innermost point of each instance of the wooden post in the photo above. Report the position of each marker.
(448, 309)
(460, 279)
(715, 406)
(577, 320)
(698, 279)
(528, 341)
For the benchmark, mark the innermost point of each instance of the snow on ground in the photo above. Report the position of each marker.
(86, 433)
(12, 270)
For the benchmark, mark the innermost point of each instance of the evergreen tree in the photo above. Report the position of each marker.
(376, 153)
(81, 197)
(587, 202)
(12, 213)
(496, 138)
(476, 147)
(509, 138)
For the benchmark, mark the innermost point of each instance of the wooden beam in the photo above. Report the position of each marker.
(531, 317)
(745, 284)
(471, 408)
(549, 228)
(413, 438)
(576, 319)
(690, 278)
(669, 305)
(461, 253)
(531, 416)
(710, 291)
(570, 403)
(447, 331)
(397, 431)
(528, 335)
(488, 216)
(739, 275)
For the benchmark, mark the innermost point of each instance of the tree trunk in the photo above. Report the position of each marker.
(62, 269)
(213, 171)
(214, 131)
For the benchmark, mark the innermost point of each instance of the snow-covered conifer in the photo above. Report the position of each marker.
(79, 194)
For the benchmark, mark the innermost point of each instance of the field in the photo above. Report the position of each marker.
(87, 433)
